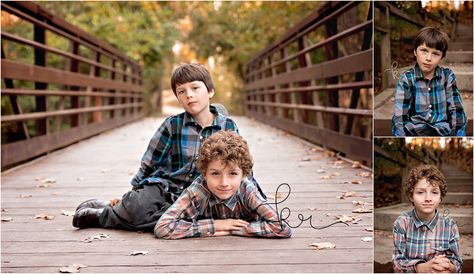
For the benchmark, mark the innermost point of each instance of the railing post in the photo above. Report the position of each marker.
(74, 67)
(332, 98)
(97, 115)
(40, 60)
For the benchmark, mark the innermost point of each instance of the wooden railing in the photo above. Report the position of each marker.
(315, 81)
(53, 96)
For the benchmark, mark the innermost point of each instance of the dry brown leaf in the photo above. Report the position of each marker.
(347, 194)
(4, 210)
(356, 182)
(356, 164)
(96, 237)
(339, 162)
(74, 268)
(135, 253)
(6, 219)
(369, 229)
(323, 245)
(326, 177)
(366, 239)
(44, 217)
(305, 159)
(356, 203)
(329, 154)
(67, 212)
(345, 218)
(364, 174)
(357, 220)
(24, 196)
(362, 210)
(48, 181)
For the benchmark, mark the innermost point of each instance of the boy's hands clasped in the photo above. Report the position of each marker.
(224, 226)
(439, 264)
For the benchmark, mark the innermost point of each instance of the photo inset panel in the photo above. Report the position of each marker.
(423, 204)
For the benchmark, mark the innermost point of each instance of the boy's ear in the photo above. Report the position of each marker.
(414, 52)
(211, 93)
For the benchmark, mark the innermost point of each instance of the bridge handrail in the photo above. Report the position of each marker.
(284, 81)
(80, 96)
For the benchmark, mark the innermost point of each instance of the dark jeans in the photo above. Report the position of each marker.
(139, 209)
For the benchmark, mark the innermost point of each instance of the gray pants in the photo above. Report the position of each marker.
(139, 209)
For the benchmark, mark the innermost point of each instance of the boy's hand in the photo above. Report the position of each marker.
(439, 264)
(229, 224)
(114, 201)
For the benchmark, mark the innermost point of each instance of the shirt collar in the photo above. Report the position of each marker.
(430, 224)
(419, 75)
(218, 119)
(229, 203)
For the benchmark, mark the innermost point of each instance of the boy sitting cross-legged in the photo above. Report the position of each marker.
(222, 201)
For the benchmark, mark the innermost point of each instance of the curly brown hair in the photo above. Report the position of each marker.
(431, 174)
(227, 147)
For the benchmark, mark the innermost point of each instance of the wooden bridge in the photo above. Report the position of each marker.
(322, 102)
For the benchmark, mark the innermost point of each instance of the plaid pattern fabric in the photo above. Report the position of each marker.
(428, 107)
(193, 213)
(173, 149)
(416, 241)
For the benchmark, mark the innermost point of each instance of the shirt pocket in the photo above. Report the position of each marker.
(440, 247)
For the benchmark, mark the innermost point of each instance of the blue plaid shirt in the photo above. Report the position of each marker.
(416, 241)
(428, 107)
(172, 151)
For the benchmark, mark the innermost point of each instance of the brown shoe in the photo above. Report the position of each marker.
(87, 217)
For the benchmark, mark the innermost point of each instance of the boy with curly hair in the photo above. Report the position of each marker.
(424, 240)
(222, 201)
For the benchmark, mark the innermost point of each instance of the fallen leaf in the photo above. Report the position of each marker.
(347, 194)
(345, 218)
(4, 210)
(48, 181)
(326, 177)
(357, 220)
(356, 164)
(74, 268)
(329, 154)
(24, 196)
(336, 174)
(96, 237)
(369, 229)
(364, 174)
(356, 203)
(312, 208)
(6, 219)
(135, 253)
(328, 214)
(356, 182)
(80, 179)
(366, 239)
(339, 162)
(305, 159)
(323, 245)
(67, 212)
(44, 217)
(321, 171)
(362, 210)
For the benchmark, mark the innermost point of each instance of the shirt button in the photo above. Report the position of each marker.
(200, 137)
(429, 89)
(431, 106)
(190, 175)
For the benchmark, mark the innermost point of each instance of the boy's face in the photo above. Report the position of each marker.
(427, 59)
(426, 198)
(194, 97)
(223, 180)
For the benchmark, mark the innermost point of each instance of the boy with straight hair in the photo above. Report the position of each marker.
(424, 240)
(427, 99)
(169, 163)
(222, 201)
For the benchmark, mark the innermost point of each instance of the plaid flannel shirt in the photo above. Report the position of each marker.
(173, 149)
(416, 241)
(428, 107)
(193, 214)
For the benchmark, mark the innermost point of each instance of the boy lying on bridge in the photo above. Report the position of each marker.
(169, 163)
(222, 201)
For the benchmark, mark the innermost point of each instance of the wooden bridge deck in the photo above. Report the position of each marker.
(102, 166)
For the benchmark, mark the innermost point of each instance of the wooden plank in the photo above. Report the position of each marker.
(15, 70)
(69, 93)
(360, 61)
(23, 150)
(360, 148)
(334, 87)
(338, 110)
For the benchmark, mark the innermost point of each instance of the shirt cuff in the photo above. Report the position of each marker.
(412, 266)
(204, 227)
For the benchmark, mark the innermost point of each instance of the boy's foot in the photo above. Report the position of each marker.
(87, 217)
(93, 203)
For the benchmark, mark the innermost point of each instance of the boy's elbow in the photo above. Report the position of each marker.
(161, 232)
